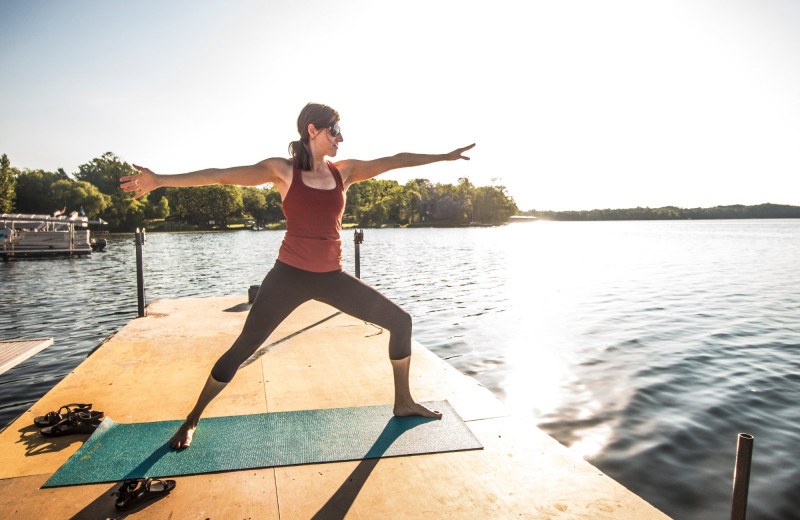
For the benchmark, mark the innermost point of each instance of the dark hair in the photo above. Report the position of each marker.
(321, 116)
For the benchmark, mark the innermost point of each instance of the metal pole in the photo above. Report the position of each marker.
(741, 476)
(140, 238)
(358, 237)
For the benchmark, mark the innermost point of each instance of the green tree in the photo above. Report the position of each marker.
(202, 204)
(7, 185)
(492, 205)
(372, 214)
(156, 210)
(465, 192)
(253, 203)
(398, 203)
(420, 197)
(124, 213)
(274, 208)
(262, 204)
(104, 172)
(448, 205)
(163, 208)
(33, 191)
(79, 194)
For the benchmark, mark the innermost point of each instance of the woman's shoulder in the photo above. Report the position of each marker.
(344, 167)
(277, 163)
(277, 170)
(278, 166)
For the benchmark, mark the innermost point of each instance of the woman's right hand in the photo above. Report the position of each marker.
(142, 182)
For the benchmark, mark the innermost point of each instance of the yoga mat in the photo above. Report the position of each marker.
(121, 451)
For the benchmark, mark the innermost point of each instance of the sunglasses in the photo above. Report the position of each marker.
(335, 130)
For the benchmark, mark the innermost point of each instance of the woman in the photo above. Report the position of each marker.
(309, 261)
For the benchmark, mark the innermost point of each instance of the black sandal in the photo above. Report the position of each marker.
(53, 418)
(75, 422)
(139, 490)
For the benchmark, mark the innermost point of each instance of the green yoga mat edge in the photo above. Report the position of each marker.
(117, 451)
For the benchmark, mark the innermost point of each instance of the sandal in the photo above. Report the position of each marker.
(53, 418)
(75, 422)
(139, 490)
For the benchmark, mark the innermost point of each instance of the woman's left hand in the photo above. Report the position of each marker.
(457, 154)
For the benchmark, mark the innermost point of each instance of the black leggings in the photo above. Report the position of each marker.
(285, 288)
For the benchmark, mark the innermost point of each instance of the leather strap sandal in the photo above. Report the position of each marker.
(53, 418)
(75, 422)
(137, 491)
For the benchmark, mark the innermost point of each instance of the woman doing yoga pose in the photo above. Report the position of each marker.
(309, 264)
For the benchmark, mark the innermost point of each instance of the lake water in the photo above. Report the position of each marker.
(646, 347)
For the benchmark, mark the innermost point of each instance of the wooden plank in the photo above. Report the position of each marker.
(15, 351)
(239, 495)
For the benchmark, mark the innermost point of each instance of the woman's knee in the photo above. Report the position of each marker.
(400, 339)
(401, 321)
(244, 347)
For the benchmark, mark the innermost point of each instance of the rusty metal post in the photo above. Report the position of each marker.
(358, 238)
(741, 476)
(140, 239)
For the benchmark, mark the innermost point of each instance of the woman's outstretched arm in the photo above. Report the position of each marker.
(354, 171)
(273, 170)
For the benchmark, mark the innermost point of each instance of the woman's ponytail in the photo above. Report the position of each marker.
(301, 154)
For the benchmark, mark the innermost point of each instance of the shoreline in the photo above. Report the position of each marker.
(451, 226)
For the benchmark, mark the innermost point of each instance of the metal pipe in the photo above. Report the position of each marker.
(140, 238)
(358, 238)
(741, 476)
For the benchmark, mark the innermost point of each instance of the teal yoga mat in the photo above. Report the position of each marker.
(121, 451)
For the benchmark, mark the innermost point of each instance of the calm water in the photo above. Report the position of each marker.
(644, 346)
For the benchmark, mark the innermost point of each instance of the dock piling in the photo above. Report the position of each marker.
(140, 239)
(252, 292)
(741, 476)
(358, 238)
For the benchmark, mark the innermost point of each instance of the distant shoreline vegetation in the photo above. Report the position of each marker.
(672, 213)
(94, 191)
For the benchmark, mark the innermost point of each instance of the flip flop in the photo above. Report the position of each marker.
(53, 418)
(75, 422)
(137, 491)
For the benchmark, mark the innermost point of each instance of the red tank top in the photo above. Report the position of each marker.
(313, 222)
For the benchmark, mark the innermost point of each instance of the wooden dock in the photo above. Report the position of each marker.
(153, 369)
(15, 351)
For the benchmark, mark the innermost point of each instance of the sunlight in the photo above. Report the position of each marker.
(592, 440)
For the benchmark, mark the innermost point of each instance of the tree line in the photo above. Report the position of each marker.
(673, 213)
(94, 191)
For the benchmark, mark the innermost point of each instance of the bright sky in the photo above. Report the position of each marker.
(573, 104)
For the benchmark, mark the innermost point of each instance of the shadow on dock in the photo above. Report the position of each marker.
(37, 444)
(263, 350)
(339, 504)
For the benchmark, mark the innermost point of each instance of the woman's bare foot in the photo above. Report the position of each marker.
(404, 404)
(183, 437)
(412, 408)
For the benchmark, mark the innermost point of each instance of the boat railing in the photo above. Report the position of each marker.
(45, 222)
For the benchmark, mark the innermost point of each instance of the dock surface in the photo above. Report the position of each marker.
(15, 351)
(154, 368)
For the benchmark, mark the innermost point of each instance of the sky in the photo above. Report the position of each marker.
(573, 104)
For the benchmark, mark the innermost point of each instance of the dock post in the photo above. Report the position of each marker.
(358, 238)
(741, 476)
(140, 239)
